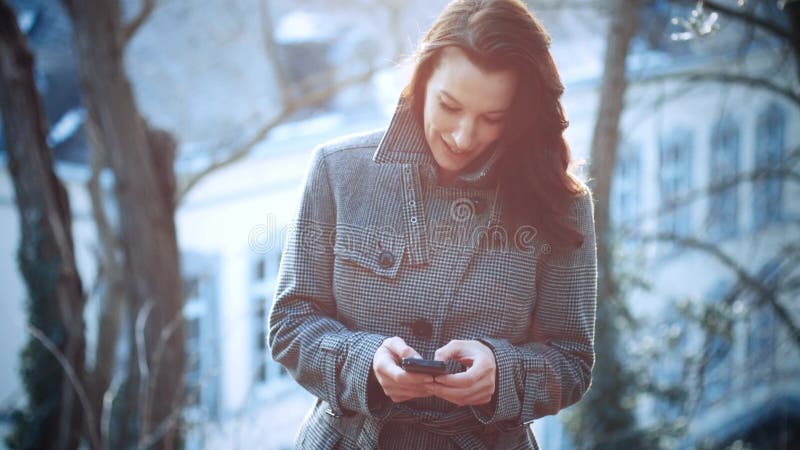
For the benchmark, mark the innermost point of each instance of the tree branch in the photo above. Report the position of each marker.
(108, 404)
(272, 53)
(73, 379)
(106, 384)
(142, 364)
(757, 82)
(765, 293)
(158, 354)
(163, 428)
(727, 78)
(130, 30)
(288, 109)
(784, 173)
(750, 18)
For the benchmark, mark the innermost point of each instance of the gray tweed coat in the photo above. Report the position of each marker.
(381, 248)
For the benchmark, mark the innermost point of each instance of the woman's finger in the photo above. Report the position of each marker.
(398, 375)
(396, 383)
(475, 374)
(399, 348)
(452, 350)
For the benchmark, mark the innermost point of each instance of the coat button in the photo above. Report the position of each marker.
(479, 205)
(386, 259)
(422, 329)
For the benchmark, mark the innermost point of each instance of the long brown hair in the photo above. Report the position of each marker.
(499, 35)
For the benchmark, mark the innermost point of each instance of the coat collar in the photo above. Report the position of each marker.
(404, 143)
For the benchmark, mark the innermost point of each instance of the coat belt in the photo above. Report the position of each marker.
(460, 425)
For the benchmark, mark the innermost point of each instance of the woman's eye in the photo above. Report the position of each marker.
(447, 107)
(494, 120)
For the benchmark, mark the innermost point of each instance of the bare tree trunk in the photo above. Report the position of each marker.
(142, 163)
(792, 10)
(605, 421)
(46, 257)
(113, 299)
(605, 139)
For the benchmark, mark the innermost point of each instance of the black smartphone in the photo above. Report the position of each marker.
(428, 366)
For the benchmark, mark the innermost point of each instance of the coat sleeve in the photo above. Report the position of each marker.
(552, 370)
(325, 357)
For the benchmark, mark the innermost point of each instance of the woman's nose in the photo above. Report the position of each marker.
(462, 135)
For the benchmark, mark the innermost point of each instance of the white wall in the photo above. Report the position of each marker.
(12, 299)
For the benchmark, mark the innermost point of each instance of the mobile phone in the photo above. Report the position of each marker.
(428, 366)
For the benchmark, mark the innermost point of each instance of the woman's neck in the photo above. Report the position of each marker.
(446, 177)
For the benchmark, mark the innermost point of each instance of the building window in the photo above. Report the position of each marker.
(762, 341)
(261, 339)
(626, 187)
(265, 267)
(265, 271)
(675, 181)
(768, 188)
(202, 388)
(669, 371)
(722, 217)
(194, 312)
(191, 288)
(260, 269)
(193, 362)
(717, 370)
(762, 336)
(278, 257)
(717, 355)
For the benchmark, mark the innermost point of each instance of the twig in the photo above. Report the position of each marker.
(288, 109)
(726, 78)
(750, 18)
(158, 353)
(166, 424)
(108, 404)
(764, 293)
(141, 359)
(131, 29)
(757, 174)
(73, 379)
(747, 80)
(271, 51)
(146, 441)
(111, 274)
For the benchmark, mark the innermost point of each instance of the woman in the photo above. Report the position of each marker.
(457, 235)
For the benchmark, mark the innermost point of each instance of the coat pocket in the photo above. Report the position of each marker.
(317, 432)
(380, 253)
(366, 275)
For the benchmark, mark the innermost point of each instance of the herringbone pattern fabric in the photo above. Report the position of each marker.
(380, 249)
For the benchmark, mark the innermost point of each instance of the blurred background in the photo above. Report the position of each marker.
(685, 114)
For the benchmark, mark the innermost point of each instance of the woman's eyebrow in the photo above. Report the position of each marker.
(453, 99)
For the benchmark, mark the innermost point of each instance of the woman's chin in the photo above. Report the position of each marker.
(451, 163)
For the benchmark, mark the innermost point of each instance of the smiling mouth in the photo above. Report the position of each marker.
(452, 150)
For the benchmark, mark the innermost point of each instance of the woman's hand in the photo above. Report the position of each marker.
(473, 387)
(398, 384)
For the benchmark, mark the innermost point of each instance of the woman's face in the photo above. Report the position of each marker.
(465, 110)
